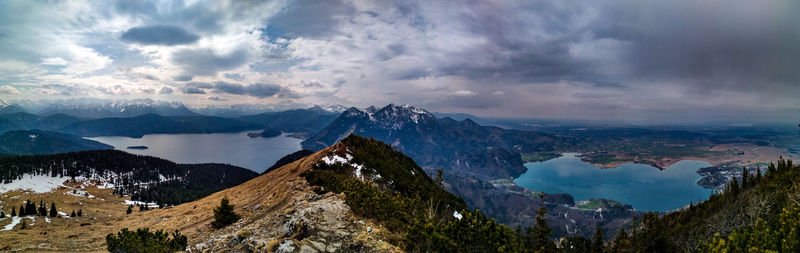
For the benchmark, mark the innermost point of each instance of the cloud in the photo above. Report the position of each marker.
(165, 90)
(55, 61)
(499, 93)
(463, 93)
(195, 88)
(159, 35)
(5, 89)
(259, 90)
(217, 98)
(206, 62)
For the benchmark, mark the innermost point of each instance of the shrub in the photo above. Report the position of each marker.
(145, 241)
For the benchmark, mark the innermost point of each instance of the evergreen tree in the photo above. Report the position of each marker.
(53, 210)
(130, 209)
(539, 234)
(758, 175)
(42, 211)
(2, 214)
(80, 212)
(224, 215)
(745, 175)
(597, 240)
(72, 214)
(621, 241)
(22, 210)
(13, 211)
(30, 208)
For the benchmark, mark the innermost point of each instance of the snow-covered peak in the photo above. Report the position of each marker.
(396, 115)
(3, 103)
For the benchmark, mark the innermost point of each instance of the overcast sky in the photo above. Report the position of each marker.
(626, 60)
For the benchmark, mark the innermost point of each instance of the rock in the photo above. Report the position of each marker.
(307, 249)
(286, 247)
(369, 229)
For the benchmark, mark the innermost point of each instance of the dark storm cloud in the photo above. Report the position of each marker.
(196, 88)
(159, 35)
(205, 62)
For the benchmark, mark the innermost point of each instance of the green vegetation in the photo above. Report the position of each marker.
(415, 207)
(145, 241)
(539, 156)
(594, 204)
(224, 215)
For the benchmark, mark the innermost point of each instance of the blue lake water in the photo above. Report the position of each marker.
(237, 149)
(642, 186)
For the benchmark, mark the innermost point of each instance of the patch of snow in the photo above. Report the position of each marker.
(37, 184)
(33, 136)
(47, 219)
(135, 203)
(457, 215)
(334, 159)
(14, 222)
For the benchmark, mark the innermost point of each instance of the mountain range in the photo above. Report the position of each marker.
(29, 142)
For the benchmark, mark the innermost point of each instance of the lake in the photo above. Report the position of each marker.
(237, 149)
(642, 186)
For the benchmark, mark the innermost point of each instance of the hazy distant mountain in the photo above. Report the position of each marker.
(157, 124)
(23, 120)
(121, 108)
(26, 142)
(297, 120)
(5, 107)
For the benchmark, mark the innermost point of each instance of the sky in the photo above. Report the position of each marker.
(659, 61)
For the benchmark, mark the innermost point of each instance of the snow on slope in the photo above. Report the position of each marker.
(38, 183)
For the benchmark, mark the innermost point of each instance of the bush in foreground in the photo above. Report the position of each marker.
(142, 240)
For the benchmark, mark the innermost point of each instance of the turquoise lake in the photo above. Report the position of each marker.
(256, 154)
(642, 186)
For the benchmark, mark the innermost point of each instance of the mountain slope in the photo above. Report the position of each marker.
(443, 143)
(25, 120)
(156, 124)
(279, 210)
(298, 120)
(145, 178)
(5, 107)
(26, 142)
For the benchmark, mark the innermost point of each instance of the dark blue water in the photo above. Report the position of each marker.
(256, 154)
(642, 186)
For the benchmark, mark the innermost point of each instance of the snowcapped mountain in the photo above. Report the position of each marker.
(6, 107)
(444, 143)
(115, 108)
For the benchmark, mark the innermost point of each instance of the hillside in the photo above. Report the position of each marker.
(30, 142)
(145, 178)
(156, 124)
(305, 121)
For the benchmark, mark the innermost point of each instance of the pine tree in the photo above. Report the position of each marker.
(23, 225)
(21, 210)
(745, 175)
(758, 175)
(72, 214)
(42, 209)
(13, 211)
(80, 212)
(539, 234)
(130, 209)
(621, 241)
(53, 210)
(597, 240)
(2, 214)
(224, 215)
